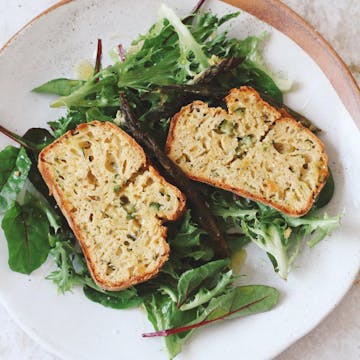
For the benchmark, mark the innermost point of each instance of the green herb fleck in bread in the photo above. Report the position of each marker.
(114, 201)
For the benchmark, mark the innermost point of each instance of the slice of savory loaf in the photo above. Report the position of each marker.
(114, 201)
(252, 150)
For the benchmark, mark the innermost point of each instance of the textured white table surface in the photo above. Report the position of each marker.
(338, 336)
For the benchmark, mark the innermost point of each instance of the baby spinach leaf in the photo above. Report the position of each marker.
(192, 280)
(61, 87)
(37, 180)
(34, 140)
(39, 138)
(54, 219)
(326, 193)
(14, 169)
(114, 299)
(26, 230)
(247, 74)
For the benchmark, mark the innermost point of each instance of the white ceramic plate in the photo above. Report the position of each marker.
(75, 328)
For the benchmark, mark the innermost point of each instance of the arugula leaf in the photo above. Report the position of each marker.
(188, 242)
(189, 47)
(193, 280)
(231, 208)
(65, 256)
(14, 169)
(150, 60)
(61, 87)
(205, 25)
(26, 230)
(68, 122)
(97, 85)
(204, 295)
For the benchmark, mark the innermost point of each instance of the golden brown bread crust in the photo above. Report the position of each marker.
(282, 116)
(66, 206)
(246, 194)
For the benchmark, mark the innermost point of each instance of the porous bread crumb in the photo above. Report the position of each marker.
(252, 150)
(114, 201)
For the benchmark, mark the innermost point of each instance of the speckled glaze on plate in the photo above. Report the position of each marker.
(74, 328)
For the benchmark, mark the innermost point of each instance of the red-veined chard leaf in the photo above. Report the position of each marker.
(240, 301)
(26, 229)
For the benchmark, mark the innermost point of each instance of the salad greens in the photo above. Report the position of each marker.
(175, 62)
(26, 229)
(62, 87)
(236, 302)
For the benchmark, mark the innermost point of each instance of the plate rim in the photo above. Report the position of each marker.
(345, 86)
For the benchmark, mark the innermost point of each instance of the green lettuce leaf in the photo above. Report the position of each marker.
(61, 87)
(191, 281)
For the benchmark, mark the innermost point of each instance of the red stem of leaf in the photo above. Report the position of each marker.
(201, 323)
(121, 53)
(13, 136)
(98, 57)
(198, 6)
